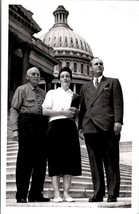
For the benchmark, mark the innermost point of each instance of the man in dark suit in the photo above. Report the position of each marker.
(100, 121)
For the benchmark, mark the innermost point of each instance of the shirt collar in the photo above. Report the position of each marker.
(68, 91)
(31, 86)
(99, 78)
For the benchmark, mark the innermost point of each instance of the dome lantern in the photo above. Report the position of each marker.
(61, 15)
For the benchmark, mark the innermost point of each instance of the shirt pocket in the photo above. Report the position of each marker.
(107, 93)
(30, 102)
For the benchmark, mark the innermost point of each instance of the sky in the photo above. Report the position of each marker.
(111, 28)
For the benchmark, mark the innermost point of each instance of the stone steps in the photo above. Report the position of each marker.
(75, 193)
(75, 185)
(124, 181)
(81, 186)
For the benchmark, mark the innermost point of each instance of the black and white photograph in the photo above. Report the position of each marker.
(69, 106)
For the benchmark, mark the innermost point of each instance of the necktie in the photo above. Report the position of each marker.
(96, 83)
(39, 100)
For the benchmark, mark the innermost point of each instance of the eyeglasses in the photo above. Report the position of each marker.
(99, 63)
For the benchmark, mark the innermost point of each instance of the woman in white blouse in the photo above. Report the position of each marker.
(64, 157)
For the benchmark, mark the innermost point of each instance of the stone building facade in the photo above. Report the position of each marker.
(25, 51)
(60, 46)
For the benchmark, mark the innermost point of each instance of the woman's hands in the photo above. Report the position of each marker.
(71, 112)
(75, 110)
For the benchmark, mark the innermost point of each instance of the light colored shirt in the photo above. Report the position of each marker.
(26, 100)
(58, 99)
(99, 79)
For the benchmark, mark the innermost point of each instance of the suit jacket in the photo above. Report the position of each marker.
(101, 108)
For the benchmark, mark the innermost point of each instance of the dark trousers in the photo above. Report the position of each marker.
(32, 155)
(103, 152)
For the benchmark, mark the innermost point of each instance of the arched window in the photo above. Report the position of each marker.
(77, 43)
(75, 67)
(82, 68)
(81, 44)
(87, 69)
(60, 40)
(66, 40)
(68, 64)
(71, 42)
(85, 46)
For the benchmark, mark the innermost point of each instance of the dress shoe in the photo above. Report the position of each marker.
(96, 199)
(40, 199)
(21, 200)
(57, 200)
(112, 198)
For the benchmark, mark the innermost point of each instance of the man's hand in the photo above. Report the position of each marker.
(81, 134)
(117, 128)
(15, 135)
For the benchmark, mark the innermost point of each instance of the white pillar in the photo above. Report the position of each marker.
(54, 85)
(74, 88)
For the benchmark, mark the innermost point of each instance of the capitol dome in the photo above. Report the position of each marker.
(70, 49)
(66, 39)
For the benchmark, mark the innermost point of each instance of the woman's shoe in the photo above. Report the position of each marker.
(57, 200)
(68, 199)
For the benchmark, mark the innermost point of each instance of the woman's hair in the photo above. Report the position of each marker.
(65, 69)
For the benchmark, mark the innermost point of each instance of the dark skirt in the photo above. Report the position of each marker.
(64, 156)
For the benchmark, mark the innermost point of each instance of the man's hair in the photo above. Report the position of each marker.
(94, 59)
(30, 69)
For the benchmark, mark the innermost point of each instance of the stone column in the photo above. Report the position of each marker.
(13, 44)
(55, 85)
(74, 88)
(9, 75)
(9, 63)
(26, 49)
